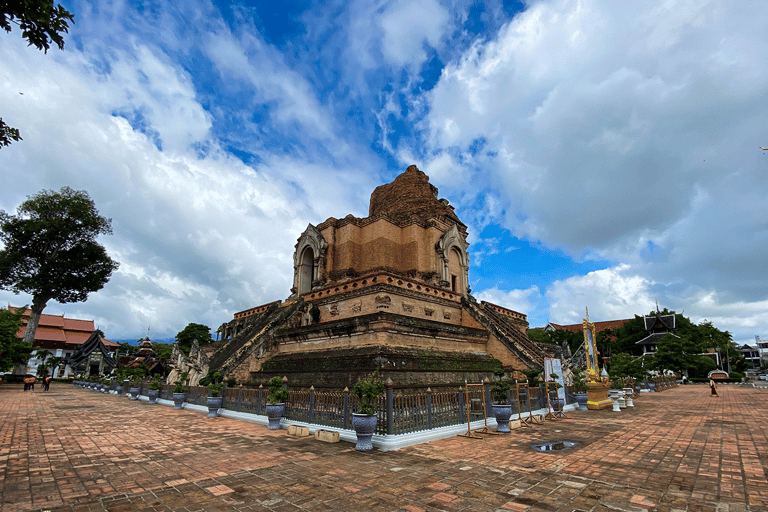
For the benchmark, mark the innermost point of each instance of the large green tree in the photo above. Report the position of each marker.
(163, 350)
(13, 351)
(50, 250)
(193, 332)
(41, 23)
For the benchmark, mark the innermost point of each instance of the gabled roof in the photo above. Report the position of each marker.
(94, 342)
(57, 328)
(599, 326)
(659, 322)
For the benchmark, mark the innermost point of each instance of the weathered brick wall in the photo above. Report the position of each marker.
(409, 195)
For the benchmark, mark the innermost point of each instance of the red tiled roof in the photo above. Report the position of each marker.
(72, 324)
(599, 326)
(109, 343)
(46, 333)
(77, 338)
(58, 328)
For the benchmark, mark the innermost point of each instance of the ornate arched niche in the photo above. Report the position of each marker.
(453, 261)
(308, 260)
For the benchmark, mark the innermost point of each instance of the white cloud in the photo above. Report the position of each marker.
(610, 294)
(522, 301)
(628, 133)
(199, 234)
(407, 25)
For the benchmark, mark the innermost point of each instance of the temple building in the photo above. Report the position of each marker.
(388, 291)
(60, 336)
(145, 355)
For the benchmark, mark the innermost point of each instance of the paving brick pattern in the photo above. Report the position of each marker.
(680, 450)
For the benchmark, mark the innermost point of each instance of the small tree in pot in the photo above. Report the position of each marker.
(214, 399)
(580, 389)
(364, 422)
(276, 402)
(502, 410)
(154, 390)
(179, 391)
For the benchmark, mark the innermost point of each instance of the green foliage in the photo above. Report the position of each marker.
(193, 332)
(127, 349)
(8, 134)
(499, 388)
(579, 381)
(533, 377)
(163, 350)
(135, 375)
(50, 250)
(215, 385)
(624, 365)
(155, 385)
(367, 391)
(178, 386)
(277, 393)
(42, 371)
(700, 366)
(558, 337)
(678, 353)
(13, 351)
(41, 23)
(540, 335)
(54, 363)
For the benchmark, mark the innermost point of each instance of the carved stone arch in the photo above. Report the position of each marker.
(308, 261)
(453, 261)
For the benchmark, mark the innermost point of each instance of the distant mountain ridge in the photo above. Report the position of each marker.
(134, 341)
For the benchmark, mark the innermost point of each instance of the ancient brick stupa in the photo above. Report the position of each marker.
(387, 291)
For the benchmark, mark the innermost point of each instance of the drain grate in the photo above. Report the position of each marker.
(554, 446)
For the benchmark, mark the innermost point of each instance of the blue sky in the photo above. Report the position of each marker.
(602, 155)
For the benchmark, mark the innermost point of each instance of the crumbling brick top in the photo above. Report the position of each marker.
(410, 196)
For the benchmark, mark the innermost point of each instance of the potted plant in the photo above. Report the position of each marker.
(154, 390)
(135, 389)
(502, 409)
(214, 399)
(580, 389)
(364, 421)
(179, 391)
(276, 402)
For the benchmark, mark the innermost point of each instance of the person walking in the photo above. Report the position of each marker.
(713, 388)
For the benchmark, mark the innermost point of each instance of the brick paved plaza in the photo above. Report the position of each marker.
(73, 449)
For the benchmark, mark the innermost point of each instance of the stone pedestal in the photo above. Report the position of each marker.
(598, 395)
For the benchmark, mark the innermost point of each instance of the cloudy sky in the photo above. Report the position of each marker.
(602, 154)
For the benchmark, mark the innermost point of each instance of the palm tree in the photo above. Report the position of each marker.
(53, 363)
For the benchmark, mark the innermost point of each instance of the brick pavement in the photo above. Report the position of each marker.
(680, 450)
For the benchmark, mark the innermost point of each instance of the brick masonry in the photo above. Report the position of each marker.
(680, 450)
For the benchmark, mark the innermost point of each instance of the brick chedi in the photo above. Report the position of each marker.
(388, 291)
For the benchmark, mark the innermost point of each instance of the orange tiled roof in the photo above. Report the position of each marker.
(58, 328)
(599, 326)
(45, 333)
(72, 324)
(77, 338)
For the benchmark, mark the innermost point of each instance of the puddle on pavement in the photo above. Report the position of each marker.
(554, 446)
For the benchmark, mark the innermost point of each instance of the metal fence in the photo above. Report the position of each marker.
(399, 411)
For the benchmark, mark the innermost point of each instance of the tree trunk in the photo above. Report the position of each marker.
(38, 305)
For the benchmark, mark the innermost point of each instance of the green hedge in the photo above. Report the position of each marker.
(717, 381)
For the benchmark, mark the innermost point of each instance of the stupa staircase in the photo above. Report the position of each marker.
(506, 332)
(255, 334)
